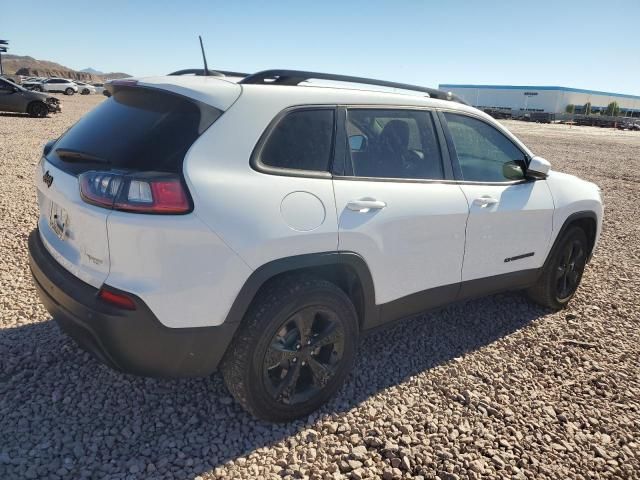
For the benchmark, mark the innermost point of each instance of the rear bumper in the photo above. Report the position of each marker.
(131, 341)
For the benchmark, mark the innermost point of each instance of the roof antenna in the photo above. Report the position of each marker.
(204, 58)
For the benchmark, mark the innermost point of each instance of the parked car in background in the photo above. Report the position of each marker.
(68, 87)
(99, 87)
(14, 98)
(85, 88)
(32, 82)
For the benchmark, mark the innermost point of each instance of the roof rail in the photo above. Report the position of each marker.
(211, 73)
(295, 77)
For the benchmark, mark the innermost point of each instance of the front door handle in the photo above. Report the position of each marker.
(485, 201)
(365, 205)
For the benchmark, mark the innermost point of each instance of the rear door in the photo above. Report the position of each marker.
(398, 208)
(510, 219)
(136, 130)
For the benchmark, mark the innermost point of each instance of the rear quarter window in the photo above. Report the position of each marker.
(301, 140)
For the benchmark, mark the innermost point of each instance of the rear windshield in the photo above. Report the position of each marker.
(135, 129)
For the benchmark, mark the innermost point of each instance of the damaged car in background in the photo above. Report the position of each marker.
(14, 98)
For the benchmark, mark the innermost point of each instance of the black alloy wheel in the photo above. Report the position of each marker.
(562, 272)
(303, 355)
(570, 268)
(294, 348)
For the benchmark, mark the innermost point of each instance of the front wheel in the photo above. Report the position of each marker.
(69, 91)
(295, 348)
(562, 274)
(38, 110)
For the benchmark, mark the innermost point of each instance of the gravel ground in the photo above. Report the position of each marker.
(493, 388)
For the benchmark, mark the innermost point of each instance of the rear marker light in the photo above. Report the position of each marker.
(119, 300)
(149, 192)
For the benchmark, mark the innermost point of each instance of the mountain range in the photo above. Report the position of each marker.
(31, 67)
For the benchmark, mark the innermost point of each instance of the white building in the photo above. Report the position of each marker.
(522, 99)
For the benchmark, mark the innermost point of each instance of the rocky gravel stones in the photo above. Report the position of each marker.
(491, 388)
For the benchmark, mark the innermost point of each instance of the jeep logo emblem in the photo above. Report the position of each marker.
(47, 178)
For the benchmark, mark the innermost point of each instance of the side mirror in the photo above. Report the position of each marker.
(15, 90)
(538, 168)
(47, 147)
(513, 171)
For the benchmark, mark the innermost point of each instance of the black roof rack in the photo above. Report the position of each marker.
(295, 77)
(211, 73)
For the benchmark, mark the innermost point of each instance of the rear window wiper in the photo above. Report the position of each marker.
(68, 154)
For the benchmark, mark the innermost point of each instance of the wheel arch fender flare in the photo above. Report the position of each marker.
(574, 219)
(307, 262)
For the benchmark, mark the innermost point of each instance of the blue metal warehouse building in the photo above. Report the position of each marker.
(521, 98)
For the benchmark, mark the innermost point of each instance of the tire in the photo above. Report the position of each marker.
(69, 91)
(85, 92)
(271, 370)
(563, 271)
(37, 109)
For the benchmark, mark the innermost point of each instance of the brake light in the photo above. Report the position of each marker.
(150, 192)
(119, 300)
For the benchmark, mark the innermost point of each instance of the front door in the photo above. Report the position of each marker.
(395, 210)
(510, 219)
(10, 99)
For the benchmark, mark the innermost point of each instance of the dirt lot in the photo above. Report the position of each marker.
(493, 388)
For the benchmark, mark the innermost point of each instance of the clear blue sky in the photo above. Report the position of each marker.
(579, 44)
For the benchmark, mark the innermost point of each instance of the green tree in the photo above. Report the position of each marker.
(570, 108)
(587, 108)
(613, 109)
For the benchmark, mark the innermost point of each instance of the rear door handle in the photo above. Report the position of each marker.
(485, 201)
(365, 205)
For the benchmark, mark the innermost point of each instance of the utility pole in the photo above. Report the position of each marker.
(3, 48)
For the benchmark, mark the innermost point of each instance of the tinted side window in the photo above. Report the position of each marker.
(393, 144)
(484, 153)
(302, 140)
(5, 86)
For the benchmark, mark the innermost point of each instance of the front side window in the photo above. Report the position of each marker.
(484, 153)
(393, 143)
(302, 140)
(6, 87)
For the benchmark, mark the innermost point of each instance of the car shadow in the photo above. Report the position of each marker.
(15, 115)
(80, 416)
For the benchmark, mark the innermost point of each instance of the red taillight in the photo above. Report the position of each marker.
(119, 300)
(142, 192)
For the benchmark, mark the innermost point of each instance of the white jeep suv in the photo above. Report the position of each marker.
(68, 87)
(262, 225)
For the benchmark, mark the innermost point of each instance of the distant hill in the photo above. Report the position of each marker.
(93, 71)
(30, 67)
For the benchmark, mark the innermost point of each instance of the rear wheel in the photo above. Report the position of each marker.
(562, 274)
(69, 91)
(37, 109)
(295, 348)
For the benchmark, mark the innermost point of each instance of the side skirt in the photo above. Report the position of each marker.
(447, 294)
